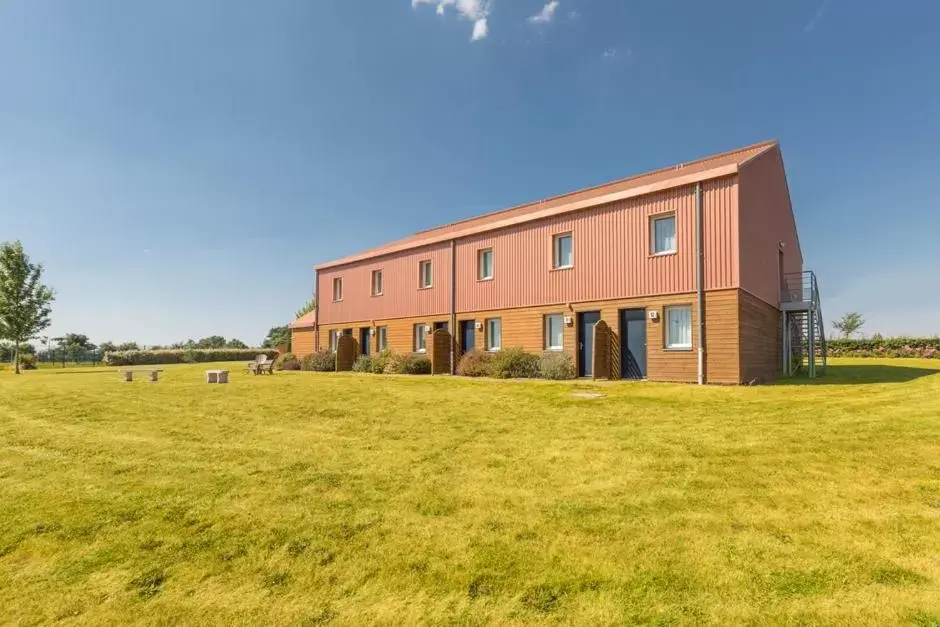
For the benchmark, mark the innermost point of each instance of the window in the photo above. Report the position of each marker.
(564, 254)
(679, 327)
(338, 288)
(334, 339)
(664, 234)
(376, 282)
(421, 338)
(381, 334)
(485, 264)
(554, 332)
(442, 325)
(424, 274)
(493, 333)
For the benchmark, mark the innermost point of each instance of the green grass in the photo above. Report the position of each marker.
(305, 499)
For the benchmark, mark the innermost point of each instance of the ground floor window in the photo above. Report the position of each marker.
(381, 335)
(554, 332)
(679, 326)
(334, 339)
(493, 334)
(421, 338)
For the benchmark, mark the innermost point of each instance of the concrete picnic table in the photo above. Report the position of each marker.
(154, 374)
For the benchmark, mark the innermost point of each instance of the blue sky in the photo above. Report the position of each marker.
(179, 166)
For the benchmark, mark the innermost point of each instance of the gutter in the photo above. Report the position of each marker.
(700, 282)
(453, 306)
(316, 309)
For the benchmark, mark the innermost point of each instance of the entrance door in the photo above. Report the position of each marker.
(586, 322)
(467, 336)
(365, 340)
(633, 343)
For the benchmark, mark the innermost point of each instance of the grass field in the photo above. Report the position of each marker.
(305, 499)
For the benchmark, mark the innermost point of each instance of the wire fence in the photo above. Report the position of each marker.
(66, 357)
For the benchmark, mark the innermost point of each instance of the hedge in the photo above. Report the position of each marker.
(923, 347)
(184, 356)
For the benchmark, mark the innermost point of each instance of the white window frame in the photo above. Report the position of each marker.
(381, 338)
(669, 342)
(490, 345)
(421, 331)
(662, 217)
(378, 287)
(556, 250)
(337, 283)
(481, 268)
(548, 338)
(421, 266)
(334, 339)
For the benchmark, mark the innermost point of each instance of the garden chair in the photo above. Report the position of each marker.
(254, 367)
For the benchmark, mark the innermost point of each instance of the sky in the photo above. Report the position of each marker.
(180, 166)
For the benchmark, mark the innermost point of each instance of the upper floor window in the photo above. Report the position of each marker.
(338, 288)
(663, 234)
(485, 264)
(679, 327)
(425, 276)
(421, 338)
(494, 332)
(563, 256)
(376, 282)
(554, 332)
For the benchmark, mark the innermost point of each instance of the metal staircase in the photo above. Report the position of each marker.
(804, 333)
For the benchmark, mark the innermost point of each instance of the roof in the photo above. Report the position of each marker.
(715, 166)
(306, 321)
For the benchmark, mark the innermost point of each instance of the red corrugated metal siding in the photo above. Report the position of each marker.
(766, 218)
(401, 297)
(611, 253)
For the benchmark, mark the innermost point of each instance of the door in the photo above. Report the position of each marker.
(467, 335)
(365, 340)
(633, 343)
(586, 322)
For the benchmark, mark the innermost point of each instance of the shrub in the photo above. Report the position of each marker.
(27, 361)
(475, 364)
(363, 364)
(179, 356)
(408, 364)
(288, 361)
(515, 363)
(321, 361)
(380, 361)
(557, 366)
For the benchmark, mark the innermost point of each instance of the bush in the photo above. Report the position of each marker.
(515, 363)
(363, 364)
(557, 366)
(408, 364)
(380, 361)
(322, 361)
(288, 361)
(180, 356)
(877, 346)
(475, 364)
(27, 361)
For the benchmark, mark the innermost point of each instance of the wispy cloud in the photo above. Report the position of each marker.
(610, 53)
(546, 14)
(815, 20)
(574, 14)
(477, 11)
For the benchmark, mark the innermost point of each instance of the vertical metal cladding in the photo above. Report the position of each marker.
(401, 295)
(612, 253)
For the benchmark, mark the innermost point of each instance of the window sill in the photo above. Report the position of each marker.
(561, 268)
(678, 349)
(425, 287)
(337, 300)
(492, 350)
(554, 349)
(485, 279)
(421, 351)
(379, 294)
(667, 253)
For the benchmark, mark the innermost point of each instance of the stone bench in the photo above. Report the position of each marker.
(129, 374)
(216, 376)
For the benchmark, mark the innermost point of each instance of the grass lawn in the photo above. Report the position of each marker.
(304, 498)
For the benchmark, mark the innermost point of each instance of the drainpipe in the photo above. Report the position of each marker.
(700, 282)
(453, 306)
(316, 309)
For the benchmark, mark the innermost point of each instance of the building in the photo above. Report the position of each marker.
(692, 268)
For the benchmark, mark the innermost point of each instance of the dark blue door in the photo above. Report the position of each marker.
(467, 336)
(633, 343)
(586, 322)
(365, 340)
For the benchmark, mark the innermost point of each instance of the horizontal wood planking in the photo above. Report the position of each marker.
(760, 339)
(400, 331)
(302, 341)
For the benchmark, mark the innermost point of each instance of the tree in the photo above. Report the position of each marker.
(77, 345)
(276, 336)
(107, 347)
(236, 343)
(128, 346)
(213, 341)
(309, 306)
(849, 324)
(25, 302)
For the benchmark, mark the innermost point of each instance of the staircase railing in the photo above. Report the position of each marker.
(800, 290)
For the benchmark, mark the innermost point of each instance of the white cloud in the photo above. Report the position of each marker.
(546, 14)
(610, 53)
(476, 11)
(816, 17)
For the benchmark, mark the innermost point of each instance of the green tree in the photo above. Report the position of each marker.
(25, 302)
(277, 336)
(77, 345)
(128, 346)
(236, 343)
(309, 306)
(213, 341)
(849, 324)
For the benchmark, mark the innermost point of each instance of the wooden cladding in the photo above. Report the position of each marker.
(302, 341)
(760, 339)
